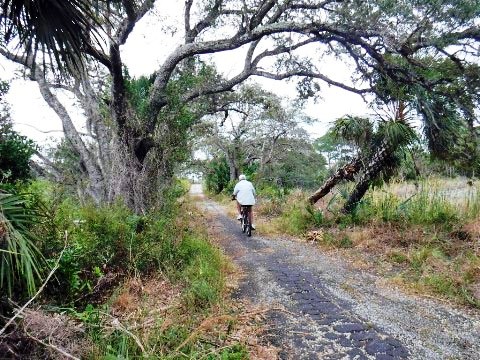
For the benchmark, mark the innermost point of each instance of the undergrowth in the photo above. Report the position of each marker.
(192, 266)
(104, 247)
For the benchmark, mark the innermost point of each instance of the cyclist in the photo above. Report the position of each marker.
(244, 192)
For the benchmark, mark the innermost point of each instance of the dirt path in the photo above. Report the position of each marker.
(335, 311)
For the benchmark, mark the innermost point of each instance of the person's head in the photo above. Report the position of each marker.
(242, 177)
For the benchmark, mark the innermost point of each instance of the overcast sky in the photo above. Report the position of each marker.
(151, 41)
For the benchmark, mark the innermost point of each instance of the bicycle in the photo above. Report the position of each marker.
(245, 222)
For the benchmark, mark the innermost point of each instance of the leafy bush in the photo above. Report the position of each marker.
(110, 239)
(184, 255)
(217, 176)
(15, 153)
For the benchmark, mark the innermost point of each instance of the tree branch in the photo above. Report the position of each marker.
(133, 16)
(310, 74)
(261, 13)
(157, 96)
(203, 24)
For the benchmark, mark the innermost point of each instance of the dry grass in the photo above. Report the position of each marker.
(141, 303)
(430, 262)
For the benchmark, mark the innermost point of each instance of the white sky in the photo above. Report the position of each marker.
(151, 41)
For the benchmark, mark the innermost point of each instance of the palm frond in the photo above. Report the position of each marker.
(20, 260)
(397, 133)
(61, 30)
(354, 129)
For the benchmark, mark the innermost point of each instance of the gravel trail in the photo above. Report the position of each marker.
(334, 311)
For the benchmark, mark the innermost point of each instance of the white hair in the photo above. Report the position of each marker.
(242, 177)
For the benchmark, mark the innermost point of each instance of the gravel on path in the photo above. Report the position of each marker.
(334, 311)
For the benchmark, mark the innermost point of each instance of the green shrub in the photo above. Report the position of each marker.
(97, 237)
(228, 189)
(271, 191)
(217, 175)
(15, 153)
(420, 256)
(345, 242)
(21, 263)
(297, 215)
(296, 220)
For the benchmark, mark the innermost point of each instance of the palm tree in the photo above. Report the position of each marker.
(378, 151)
(447, 108)
(389, 146)
(60, 30)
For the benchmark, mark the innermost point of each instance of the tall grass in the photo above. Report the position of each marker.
(428, 204)
(295, 215)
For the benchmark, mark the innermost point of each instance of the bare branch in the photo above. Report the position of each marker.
(188, 8)
(203, 24)
(133, 16)
(261, 13)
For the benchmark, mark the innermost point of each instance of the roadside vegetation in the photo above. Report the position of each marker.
(106, 282)
(138, 285)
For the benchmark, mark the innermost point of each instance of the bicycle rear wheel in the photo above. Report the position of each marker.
(247, 221)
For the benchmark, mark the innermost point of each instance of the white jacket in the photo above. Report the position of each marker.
(244, 192)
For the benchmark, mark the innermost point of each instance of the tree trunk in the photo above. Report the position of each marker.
(346, 172)
(232, 165)
(379, 161)
(233, 172)
(96, 185)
